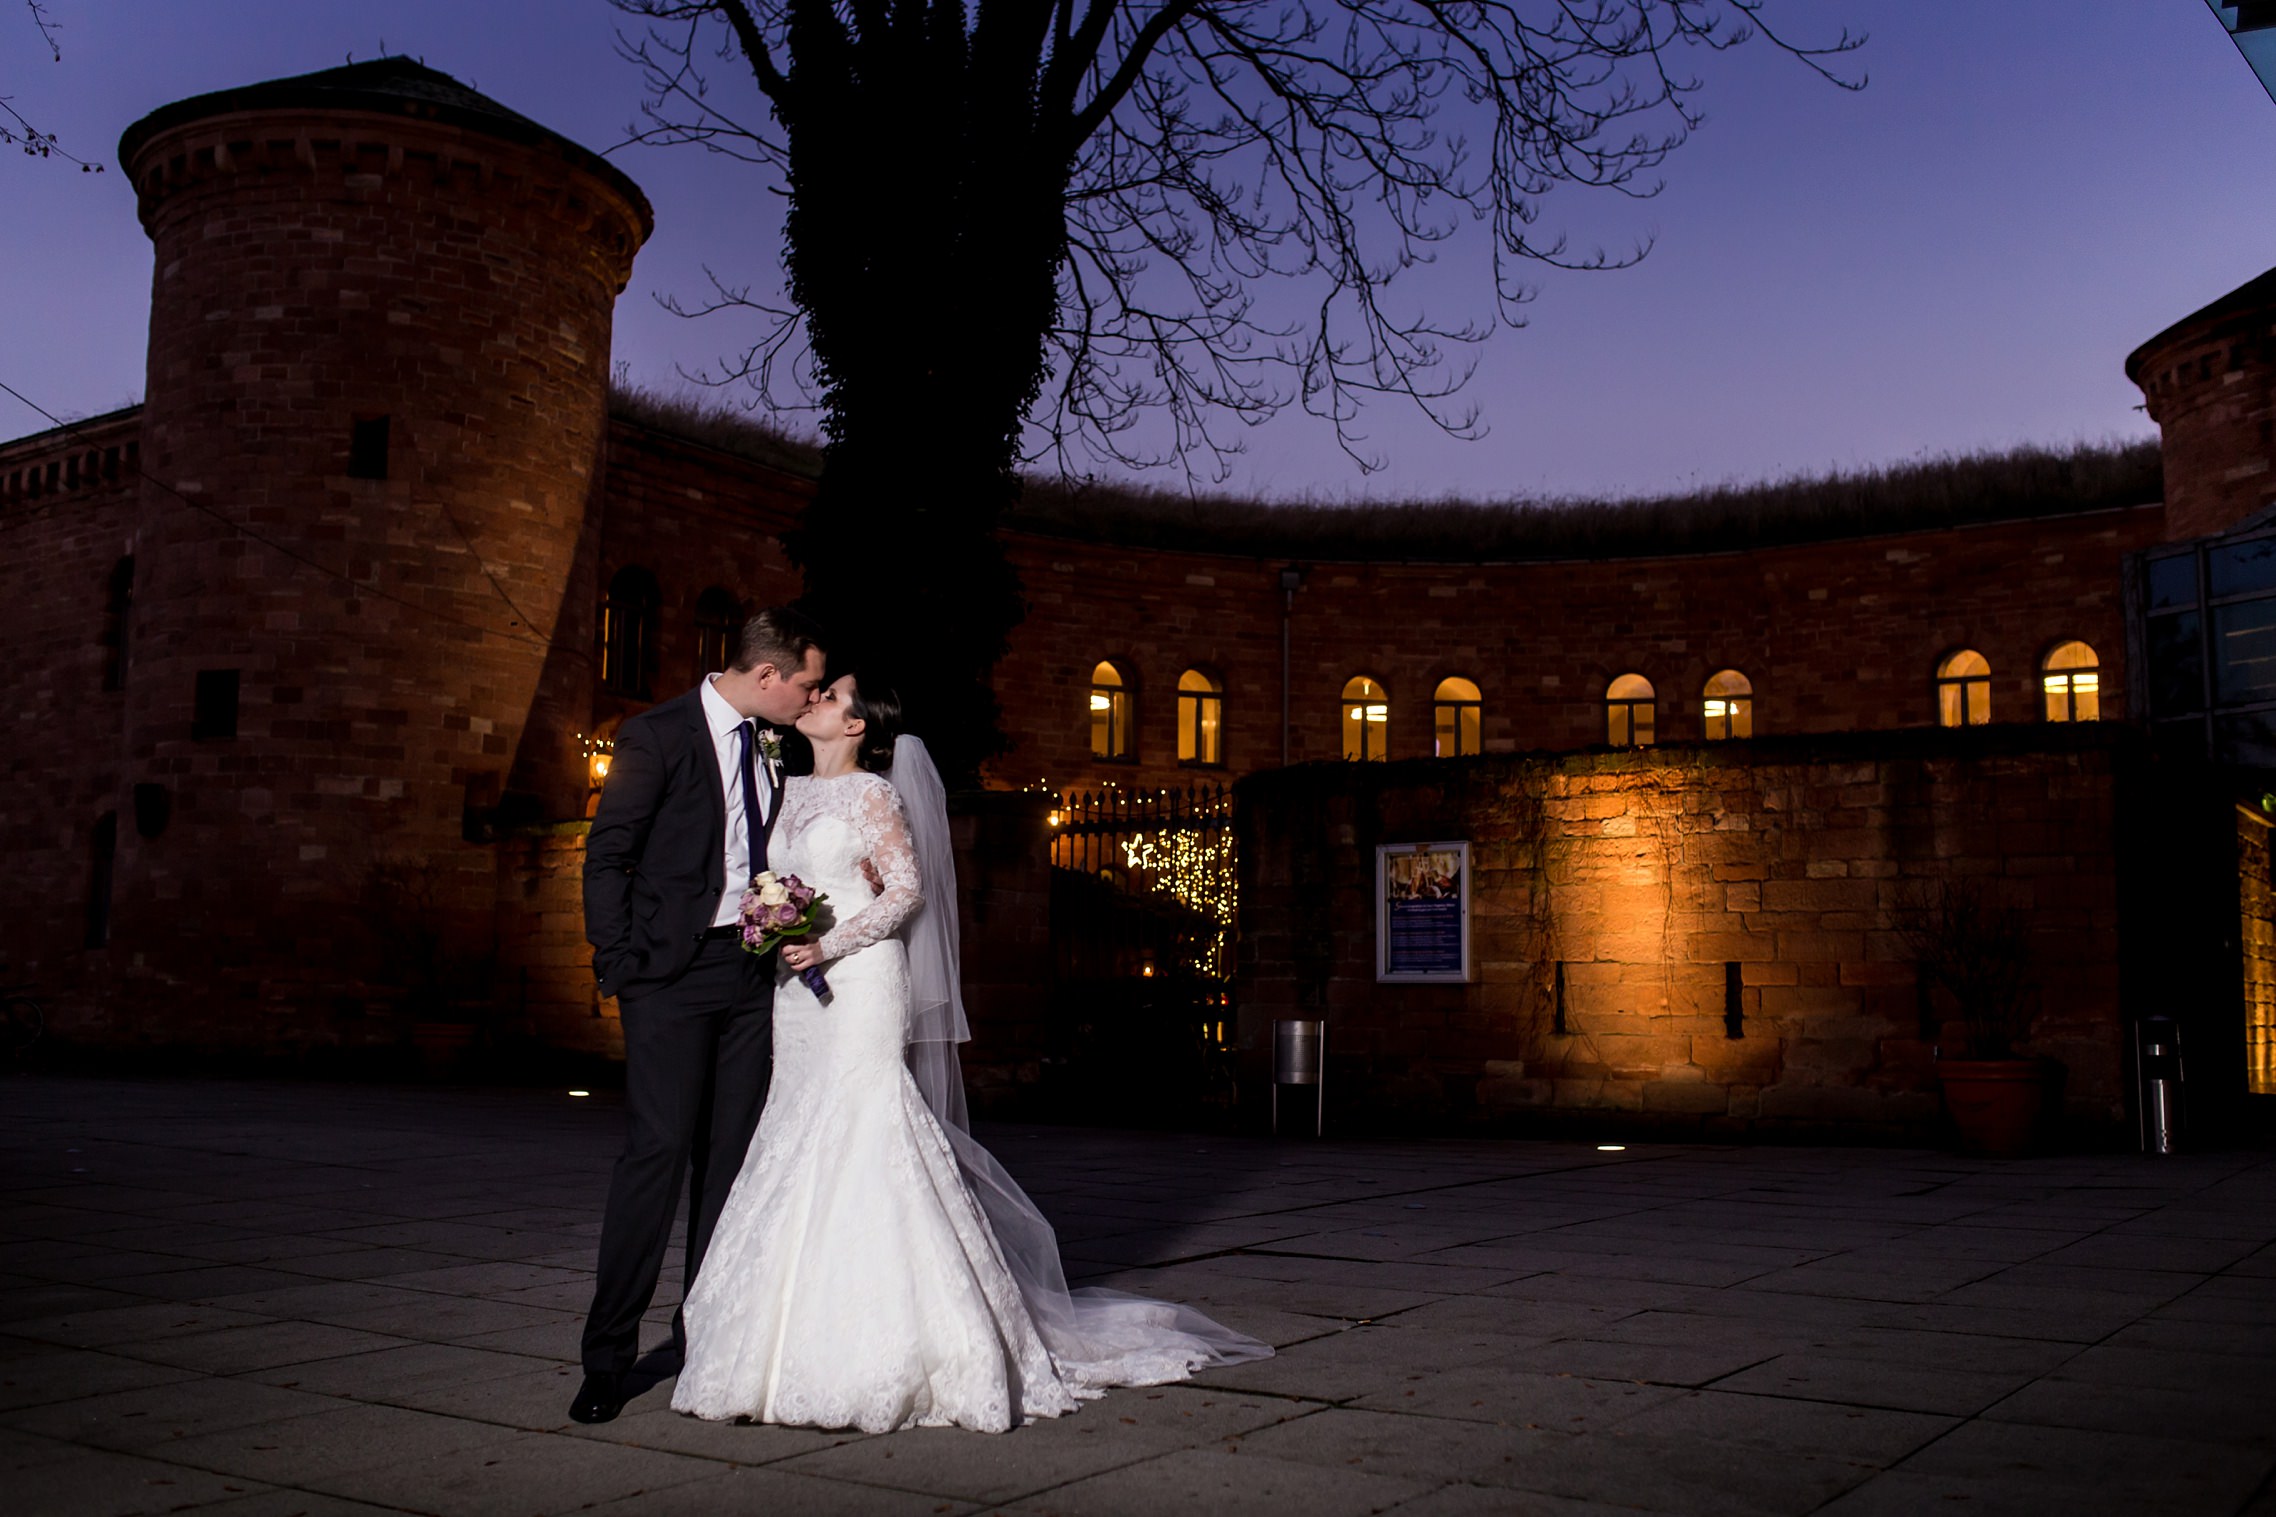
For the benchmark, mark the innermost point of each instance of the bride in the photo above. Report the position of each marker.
(875, 1268)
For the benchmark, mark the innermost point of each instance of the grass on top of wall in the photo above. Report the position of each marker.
(1950, 490)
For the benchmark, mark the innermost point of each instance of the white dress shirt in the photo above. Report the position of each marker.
(727, 748)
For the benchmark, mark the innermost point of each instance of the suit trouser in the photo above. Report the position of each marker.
(697, 1054)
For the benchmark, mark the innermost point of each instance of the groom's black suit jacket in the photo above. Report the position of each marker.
(655, 861)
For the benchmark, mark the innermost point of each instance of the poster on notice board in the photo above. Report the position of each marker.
(1422, 913)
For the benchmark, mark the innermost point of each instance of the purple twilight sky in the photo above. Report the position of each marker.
(1959, 257)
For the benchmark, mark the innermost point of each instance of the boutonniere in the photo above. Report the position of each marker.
(770, 746)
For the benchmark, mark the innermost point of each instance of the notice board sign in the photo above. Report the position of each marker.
(1422, 913)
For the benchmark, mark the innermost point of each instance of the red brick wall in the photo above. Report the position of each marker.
(67, 517)
(1838, 636)
(1644, 874)
(418, 652)
(2210, 385)
(313, 271)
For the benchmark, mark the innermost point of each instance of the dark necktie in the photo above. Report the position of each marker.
(752, 820)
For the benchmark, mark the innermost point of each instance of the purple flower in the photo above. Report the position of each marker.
(785, 915)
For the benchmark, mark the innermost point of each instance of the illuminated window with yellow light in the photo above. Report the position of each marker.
(1629, 717)
(1728, 705)
(1459, 717)
(1963, 690)
(1201, 719)
(1366, 720)
(2072, 681)
(1110, 713)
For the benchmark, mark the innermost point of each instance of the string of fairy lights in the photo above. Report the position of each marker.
(1188, 858)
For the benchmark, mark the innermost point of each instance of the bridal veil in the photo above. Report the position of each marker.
(1099, 1337)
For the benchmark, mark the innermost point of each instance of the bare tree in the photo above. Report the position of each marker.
(15, 130)
(1124, 227)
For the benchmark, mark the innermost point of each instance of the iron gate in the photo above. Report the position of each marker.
(1143, 926)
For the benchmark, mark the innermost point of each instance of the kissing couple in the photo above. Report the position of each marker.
(855, 1259)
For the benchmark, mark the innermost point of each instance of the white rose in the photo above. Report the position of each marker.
(773, 893)
(763, 879)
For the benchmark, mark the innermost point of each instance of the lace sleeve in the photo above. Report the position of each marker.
(884, 830)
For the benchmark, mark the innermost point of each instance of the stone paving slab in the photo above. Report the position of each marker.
(281, 1300)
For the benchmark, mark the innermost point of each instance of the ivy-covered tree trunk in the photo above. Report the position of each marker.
(926, 264)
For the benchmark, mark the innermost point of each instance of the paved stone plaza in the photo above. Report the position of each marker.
(258, 1300)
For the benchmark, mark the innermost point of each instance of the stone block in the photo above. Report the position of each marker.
(1692, 1097)
(1789, 1101)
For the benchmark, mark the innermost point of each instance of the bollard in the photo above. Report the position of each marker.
(2157, 1060)
(1299, 1057)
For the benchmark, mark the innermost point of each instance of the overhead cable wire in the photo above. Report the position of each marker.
(355, 585)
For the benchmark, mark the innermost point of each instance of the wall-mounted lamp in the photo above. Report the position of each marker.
(599, 755)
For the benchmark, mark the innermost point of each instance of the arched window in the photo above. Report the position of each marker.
(1201, 719)
(1628, 712)
(1110, 713)
(628, 634)
(718, 620)
(1458, 717)
(1366, 720)
(2072, 679)
(1963, 690)
(1728, 705)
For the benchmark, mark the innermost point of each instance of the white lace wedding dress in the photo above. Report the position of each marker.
(854, 1279)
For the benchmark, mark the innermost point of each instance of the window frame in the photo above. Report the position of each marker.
(631, 613)
(1964, 685)
(1627, 706)
(2068, 675)
(1474, 704)
(1729, 717)
(714, 634)
(1346, 722)
(1196, 702)
(1121, 714)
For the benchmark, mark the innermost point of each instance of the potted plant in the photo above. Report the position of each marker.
(1976, 952)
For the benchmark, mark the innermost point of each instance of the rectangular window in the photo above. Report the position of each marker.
(213, 717)
(1200, 727)
(2177, 664)
(367, 448)
(2239, 568)
(2244, 659)
(1457, 734)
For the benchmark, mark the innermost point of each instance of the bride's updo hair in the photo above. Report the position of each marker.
(880, 710)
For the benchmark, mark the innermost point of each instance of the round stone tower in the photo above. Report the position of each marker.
(2210, 381)
(379, 342)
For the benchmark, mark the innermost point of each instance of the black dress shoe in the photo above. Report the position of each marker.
(599, 1399)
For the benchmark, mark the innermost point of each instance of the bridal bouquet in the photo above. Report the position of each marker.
(777, 909)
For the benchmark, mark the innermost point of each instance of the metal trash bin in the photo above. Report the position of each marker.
(2157, 1063)
(1299, 1057)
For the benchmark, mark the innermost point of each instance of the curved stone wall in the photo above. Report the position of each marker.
(378, 349)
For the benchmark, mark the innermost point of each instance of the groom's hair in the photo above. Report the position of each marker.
(777, 636)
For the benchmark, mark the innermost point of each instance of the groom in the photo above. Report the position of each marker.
(683, 825)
